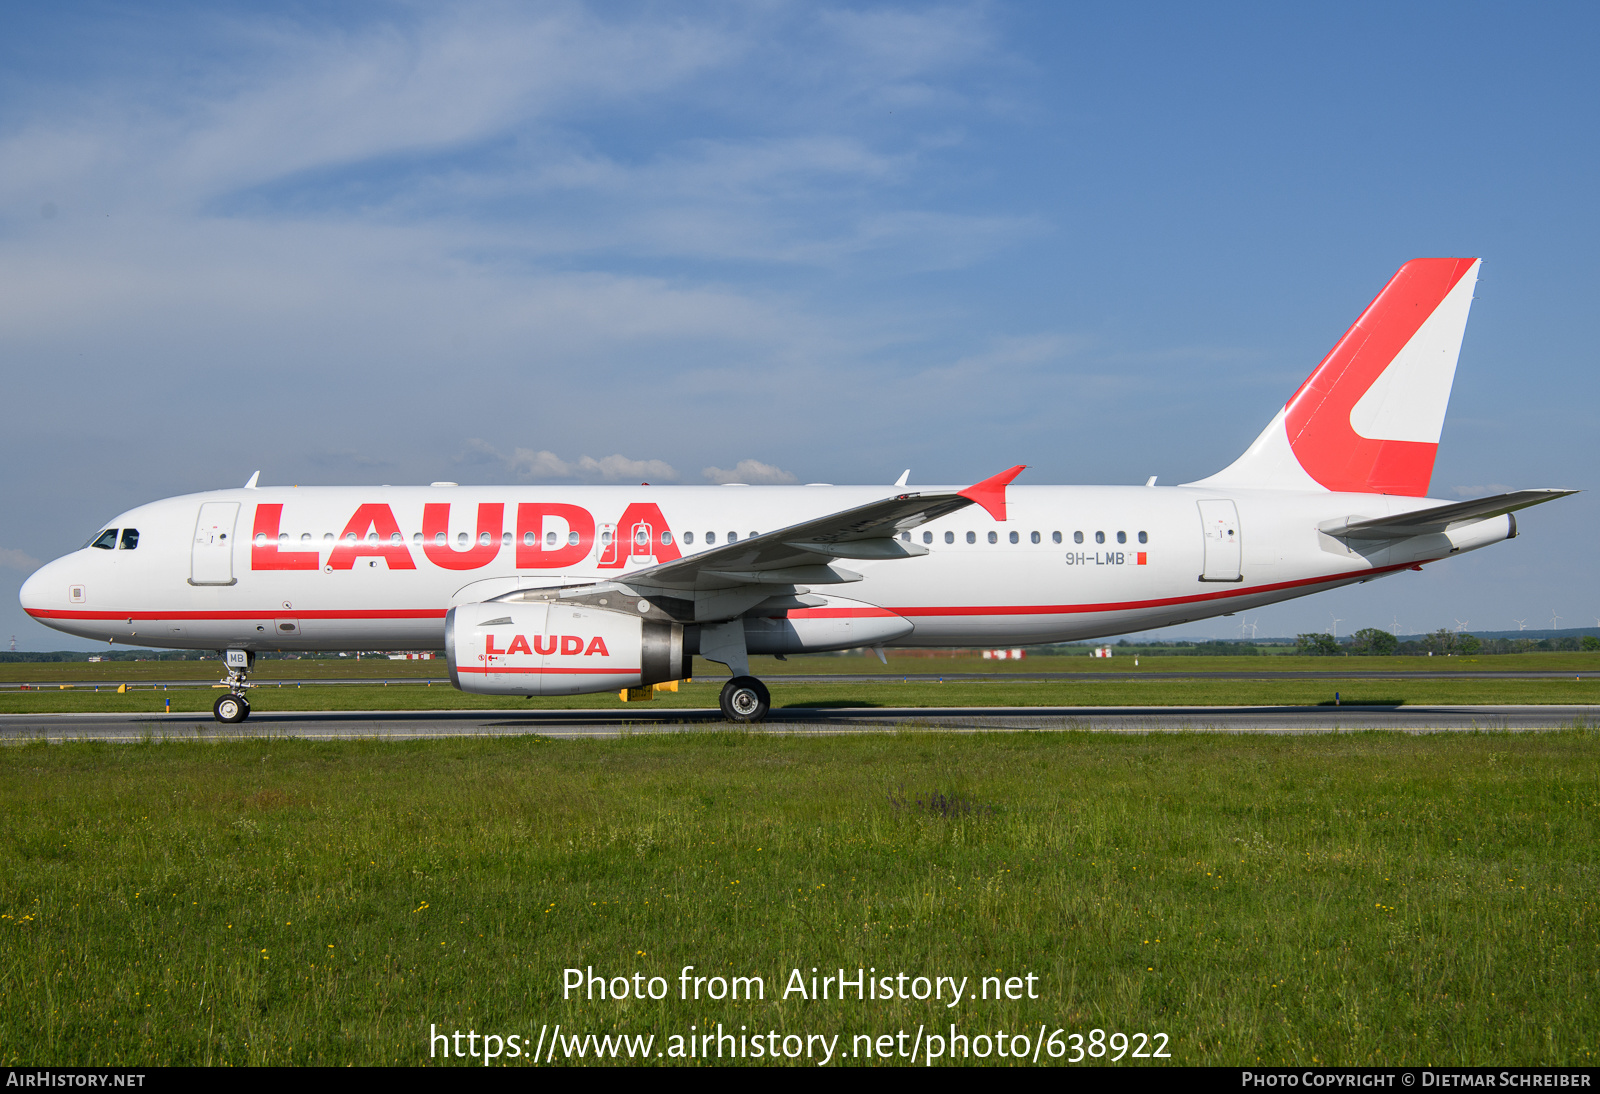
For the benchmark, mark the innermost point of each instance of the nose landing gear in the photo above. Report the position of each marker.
(234, 707)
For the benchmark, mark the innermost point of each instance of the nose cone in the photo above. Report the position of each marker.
(45, 590)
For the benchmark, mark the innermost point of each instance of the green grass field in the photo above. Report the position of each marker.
(1346, 899)
(999, 691)
(379, 668)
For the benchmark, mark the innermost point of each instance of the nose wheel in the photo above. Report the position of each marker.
(745, 699)
(231, 709)
(234, 707)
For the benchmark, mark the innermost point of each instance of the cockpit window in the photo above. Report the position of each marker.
(106, 540)
(130, 538)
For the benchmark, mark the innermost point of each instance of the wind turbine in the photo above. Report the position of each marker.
(1553, 619)
(1394, 628)
(1522, 624)
(1461, 625)
(1336, 622)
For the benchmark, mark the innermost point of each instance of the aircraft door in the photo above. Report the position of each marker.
(1220, 521)
(212, 560)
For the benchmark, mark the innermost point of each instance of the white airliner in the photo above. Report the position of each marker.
(562, 590)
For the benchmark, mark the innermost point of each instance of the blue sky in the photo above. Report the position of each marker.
(572, 243)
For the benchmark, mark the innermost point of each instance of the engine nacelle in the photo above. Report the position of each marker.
(557, 649)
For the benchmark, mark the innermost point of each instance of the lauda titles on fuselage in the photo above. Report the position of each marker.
(558, 590)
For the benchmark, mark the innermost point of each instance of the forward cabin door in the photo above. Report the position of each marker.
(1220, 521)
(212, 560)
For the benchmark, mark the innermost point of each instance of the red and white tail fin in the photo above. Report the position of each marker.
(1368, 418)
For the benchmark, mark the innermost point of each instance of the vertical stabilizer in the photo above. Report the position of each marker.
(1368, 419)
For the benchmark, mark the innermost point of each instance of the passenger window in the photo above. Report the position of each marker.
(1122, 537)
(1015, 538)
(416, 539)
(927, 537)
(283, 537)
(1077, 537)
(949, 537)
(711, 539)
(1055, 537)
(1034, 538)
(106, 541)
(905, 537)
(505, 539)
(1143, 538)
(549, 539)
(1099, 537)
(528, 539)
(993, 538)
(666, 539)
(605, 538)
(261, 539)
(130, 538)
(972, 537)
(572, 539)
(688, 538)
(396, 537)
(733, 537)
(753, 535)
(327, 537)
(461, 539)
(305, 537)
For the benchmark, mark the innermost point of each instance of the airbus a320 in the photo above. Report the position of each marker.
(547, 590)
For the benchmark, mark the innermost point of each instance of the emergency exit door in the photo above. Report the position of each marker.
(1220, 522)
(212, 560)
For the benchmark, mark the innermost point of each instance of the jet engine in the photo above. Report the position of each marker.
(543, 648)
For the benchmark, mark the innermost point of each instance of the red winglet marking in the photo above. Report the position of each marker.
(991, 492)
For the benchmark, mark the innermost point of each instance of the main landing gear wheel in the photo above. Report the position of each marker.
(231, 709)
(745, 699)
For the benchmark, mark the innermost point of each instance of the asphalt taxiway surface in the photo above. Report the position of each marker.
(422, 724)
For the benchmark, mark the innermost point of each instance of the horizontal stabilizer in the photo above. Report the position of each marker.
(1440, 518)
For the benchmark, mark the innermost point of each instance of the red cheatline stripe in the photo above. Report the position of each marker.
(531, 671)
(286, 613)
(1133, 605)
(810, 613)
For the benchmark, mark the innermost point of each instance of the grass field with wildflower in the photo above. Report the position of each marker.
(1342, 899)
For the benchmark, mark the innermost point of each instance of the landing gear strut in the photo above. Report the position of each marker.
(745, 699)
(234, 707)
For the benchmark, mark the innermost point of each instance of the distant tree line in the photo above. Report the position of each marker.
(1371, 642)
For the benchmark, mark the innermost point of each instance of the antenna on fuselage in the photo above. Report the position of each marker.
(251, 485)
(904, 475)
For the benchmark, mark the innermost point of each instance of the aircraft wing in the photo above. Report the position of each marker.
(1440, 518)
(777, 568)
(802, 554)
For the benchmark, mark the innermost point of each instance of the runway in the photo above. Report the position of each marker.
(433, 724)
(841, 678)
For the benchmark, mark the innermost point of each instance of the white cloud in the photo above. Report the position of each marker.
(543, 465)
(751, 472)
(13, 559)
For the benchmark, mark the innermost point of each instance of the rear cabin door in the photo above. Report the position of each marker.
(212, 560)
(1220, 521)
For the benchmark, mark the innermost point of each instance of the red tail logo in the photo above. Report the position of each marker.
(1319, 416)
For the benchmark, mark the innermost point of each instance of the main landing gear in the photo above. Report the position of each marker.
(234, 707)
(745, 699)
